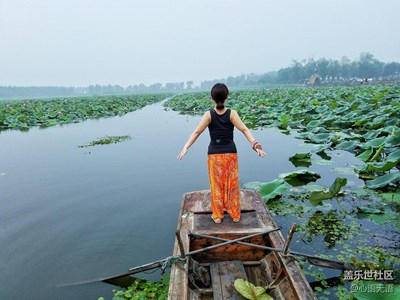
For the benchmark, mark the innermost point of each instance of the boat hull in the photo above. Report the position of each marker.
(198, 278)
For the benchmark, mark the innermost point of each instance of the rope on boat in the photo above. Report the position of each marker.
(169, 261)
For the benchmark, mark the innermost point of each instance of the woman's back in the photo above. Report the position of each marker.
(221, 133)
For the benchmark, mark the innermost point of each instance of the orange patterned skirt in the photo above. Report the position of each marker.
(224, 184)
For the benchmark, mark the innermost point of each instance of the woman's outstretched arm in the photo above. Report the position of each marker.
(238, 123)
(205, 121)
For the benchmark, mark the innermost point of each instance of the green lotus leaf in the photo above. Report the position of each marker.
(344, 123)
(363, 192)
(387, 217)
(365, 155)
(380, 166)
(372, 135)
(301, 155)
(391, 197)
(318, 148)
(393, 140)
(49, 123)
(348, 145)
(375, 143)
(369, 210)
(323, 109)
(394, 156)
(273, 189)
(300, 177)
(384, 180)
(321, 138)
(22, 118)
(317, 196)
(324, 156)
(318, 130)
(301, 163)
(254, 185)
(378, 122)
(314, 124)
(392, 160)
(337, 185)
(284, 121)
(301, 159)
(359, 122)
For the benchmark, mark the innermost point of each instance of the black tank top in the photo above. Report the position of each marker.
(221, 133)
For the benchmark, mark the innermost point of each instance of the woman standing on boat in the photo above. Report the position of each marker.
(222, 154)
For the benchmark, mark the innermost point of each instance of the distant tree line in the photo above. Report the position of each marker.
(328, 71)
(10, 92)
(345, 71)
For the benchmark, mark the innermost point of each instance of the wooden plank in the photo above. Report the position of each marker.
(179, 276)
(248, 220)
(216, 281)
(199, 201)
(223, 276)
(246, 200)
(255, 276)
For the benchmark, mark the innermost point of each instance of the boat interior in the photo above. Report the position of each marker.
(212, 273)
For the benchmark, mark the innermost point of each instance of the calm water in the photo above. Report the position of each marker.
(69, 214)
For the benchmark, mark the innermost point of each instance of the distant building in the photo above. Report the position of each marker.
(314, 80)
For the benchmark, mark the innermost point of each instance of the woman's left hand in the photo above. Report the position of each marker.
(261, 152)
(182, 154)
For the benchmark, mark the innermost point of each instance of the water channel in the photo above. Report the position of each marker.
(69, 214)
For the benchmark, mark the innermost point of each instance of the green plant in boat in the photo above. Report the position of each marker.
(250, 291)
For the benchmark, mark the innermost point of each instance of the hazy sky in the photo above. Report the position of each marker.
(82, 42)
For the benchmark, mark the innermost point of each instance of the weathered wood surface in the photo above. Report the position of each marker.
(223, 275)
(179, 273)
(228, 252)
(255, 275)
(252, 219)
(285, 273)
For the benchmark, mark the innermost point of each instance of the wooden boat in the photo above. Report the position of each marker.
(210, 274)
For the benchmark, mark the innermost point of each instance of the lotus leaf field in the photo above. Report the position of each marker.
(23, 114)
